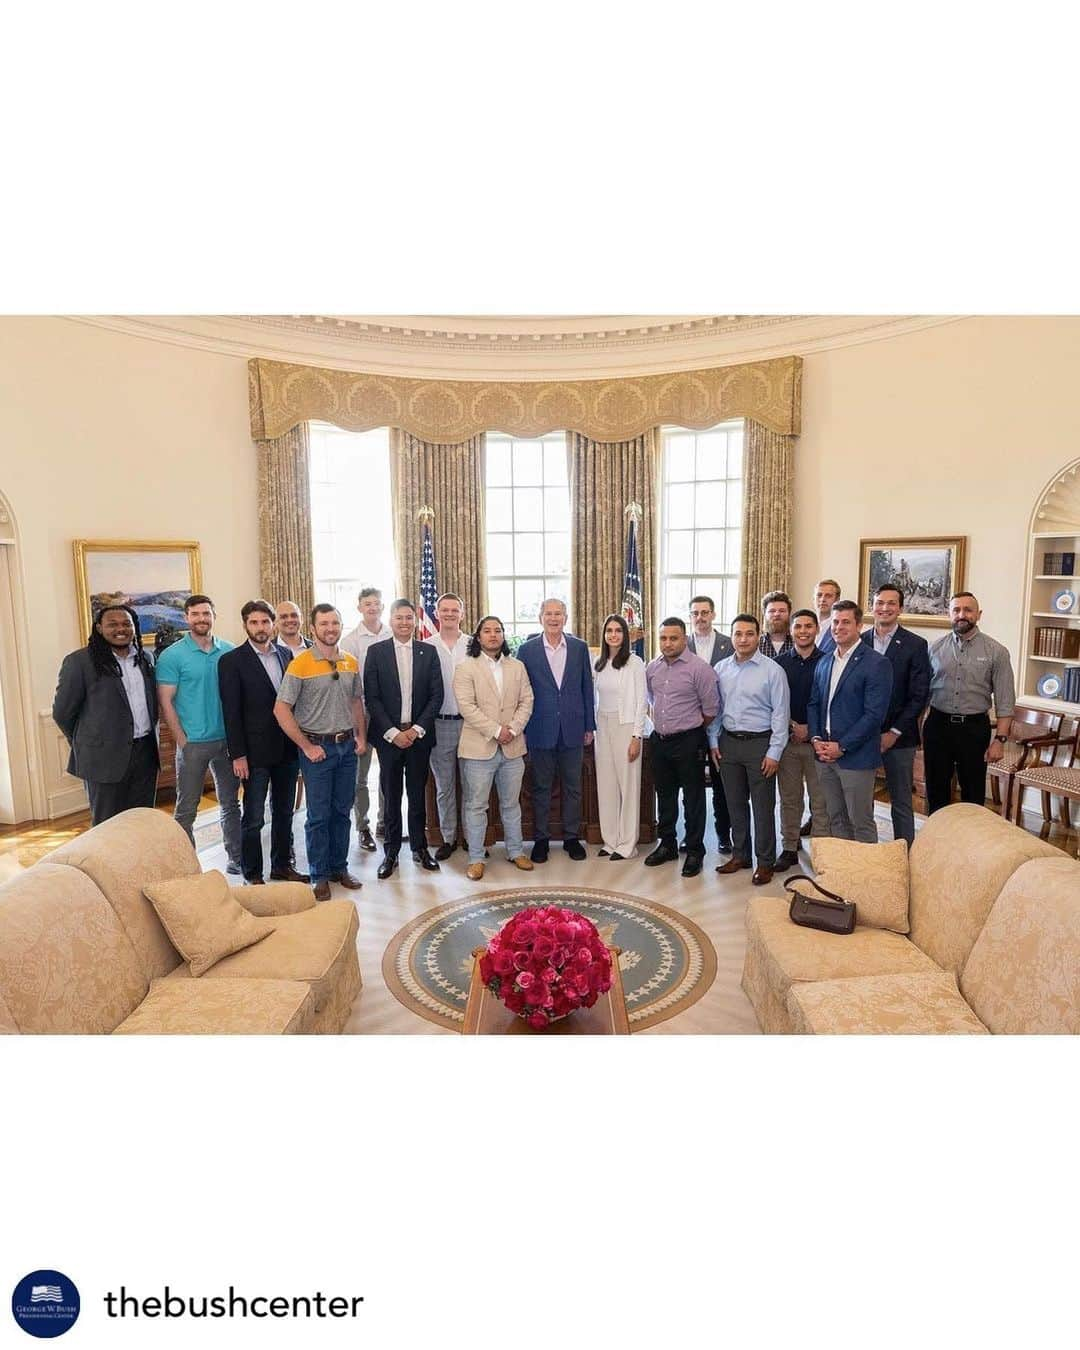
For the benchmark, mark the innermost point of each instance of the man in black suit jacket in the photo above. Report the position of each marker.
(711, 646)
(910, 660)
(106, 706)
(262, 755)
(401, 725)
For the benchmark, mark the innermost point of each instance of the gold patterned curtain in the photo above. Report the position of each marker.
(768, 471)
(605, 477)
(286, 570)
(449, 479)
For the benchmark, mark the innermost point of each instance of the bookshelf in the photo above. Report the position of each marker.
(1051, 638)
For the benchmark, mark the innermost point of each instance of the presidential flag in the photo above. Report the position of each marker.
(631, 602)
(429, 587)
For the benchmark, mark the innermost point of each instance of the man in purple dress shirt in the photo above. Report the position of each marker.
(684, 700)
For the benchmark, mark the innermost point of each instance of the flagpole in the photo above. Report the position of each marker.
(632, 605)
(428, 582)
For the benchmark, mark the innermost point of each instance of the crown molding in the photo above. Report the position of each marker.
(517, 348)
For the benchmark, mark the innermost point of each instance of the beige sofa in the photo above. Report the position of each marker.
(994, 944)
(82, 950)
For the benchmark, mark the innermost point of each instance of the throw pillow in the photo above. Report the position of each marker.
(874, 876)
(203, 920)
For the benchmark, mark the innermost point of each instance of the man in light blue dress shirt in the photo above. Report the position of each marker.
(746, 740)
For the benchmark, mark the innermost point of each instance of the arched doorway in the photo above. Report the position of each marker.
(21, 795)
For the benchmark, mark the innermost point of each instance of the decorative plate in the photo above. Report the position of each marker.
(1064, 602)
(1050, 686)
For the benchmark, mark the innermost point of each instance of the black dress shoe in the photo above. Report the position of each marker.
(426, 861)
(291, 875)
(603, 853)
(616, 857)
(786, 859)
(539, 851)
(256, 881)
(724, 845)
(692, 866)
(366, 841)
(576, 849)
(443, 852)
(682, 848)
(806, 826)
(386, 868)
(662, 854)
(234, 869)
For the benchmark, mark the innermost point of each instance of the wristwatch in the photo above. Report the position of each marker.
(1002, 739)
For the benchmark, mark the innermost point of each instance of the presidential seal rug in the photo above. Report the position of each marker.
(667, 962)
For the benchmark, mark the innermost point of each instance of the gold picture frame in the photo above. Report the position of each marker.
(928, 570)
(154, 576)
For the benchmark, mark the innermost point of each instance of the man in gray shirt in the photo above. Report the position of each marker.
(968, 671)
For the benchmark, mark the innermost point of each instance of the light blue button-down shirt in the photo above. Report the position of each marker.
(754, 696)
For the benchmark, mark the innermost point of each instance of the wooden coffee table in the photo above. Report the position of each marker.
(486, 1015)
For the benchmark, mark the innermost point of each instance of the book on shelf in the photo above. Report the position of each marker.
(1059, 564)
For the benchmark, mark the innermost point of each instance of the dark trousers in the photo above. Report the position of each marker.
(677, 764)
(138, 787)
(748, 790)
(564, 761)
(280, 779)
(954, 747)
(409, 767)
(721, 814)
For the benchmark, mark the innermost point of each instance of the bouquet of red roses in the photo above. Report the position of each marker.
(545, 962)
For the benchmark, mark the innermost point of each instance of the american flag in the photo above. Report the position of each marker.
(631, 603)
(429, 587)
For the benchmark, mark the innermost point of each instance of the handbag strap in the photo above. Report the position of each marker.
(789, 885)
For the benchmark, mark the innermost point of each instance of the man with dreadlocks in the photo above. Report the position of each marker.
(106, 706)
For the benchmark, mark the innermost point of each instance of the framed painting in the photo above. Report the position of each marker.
(927, 571)
(154, 577)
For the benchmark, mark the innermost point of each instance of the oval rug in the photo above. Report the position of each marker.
(667, 962)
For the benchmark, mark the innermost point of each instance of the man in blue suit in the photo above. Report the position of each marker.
(909, 657)
(848, 704)
(563, 721)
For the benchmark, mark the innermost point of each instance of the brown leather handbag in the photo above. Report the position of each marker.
(831, 915)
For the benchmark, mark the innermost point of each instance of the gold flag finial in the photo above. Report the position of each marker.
(635, 512)
(426, 514)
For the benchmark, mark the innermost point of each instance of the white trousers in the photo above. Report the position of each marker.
(618, 785)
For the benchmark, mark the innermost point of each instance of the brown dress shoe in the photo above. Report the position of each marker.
(762, 876)
(475, 871)
(366, 842)
(523, 863)
(291, 875)
(322, 890)
(733, 865)
(347, 880)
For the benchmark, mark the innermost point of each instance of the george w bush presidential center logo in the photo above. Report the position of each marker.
(45, 1303)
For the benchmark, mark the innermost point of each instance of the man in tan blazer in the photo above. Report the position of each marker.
(495, 698)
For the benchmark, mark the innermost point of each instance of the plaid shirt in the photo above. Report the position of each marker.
(766, 648)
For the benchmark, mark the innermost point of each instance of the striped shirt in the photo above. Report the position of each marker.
(319, 702)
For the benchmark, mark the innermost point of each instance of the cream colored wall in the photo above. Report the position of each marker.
(105, 436)
(952, 430)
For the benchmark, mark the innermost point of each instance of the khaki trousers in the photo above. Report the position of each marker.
(618, 785)
(798, 765)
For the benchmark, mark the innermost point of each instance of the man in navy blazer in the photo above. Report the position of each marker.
(909, 657)
(562, 723)
(848, 704)
(262, 755)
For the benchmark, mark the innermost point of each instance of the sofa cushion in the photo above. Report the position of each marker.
(901, 1005)
(204, 920)
(313, 946)
(121, 856)
(66, 964)
(961, 859)
(1023, 974)
(222, 1007)
(874, 876)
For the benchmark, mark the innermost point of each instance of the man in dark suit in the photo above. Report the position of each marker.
(711, 646)
(106, 706)
(849, 701)
(403, 689)
(562, 723)
(262, 755)
(910, 659)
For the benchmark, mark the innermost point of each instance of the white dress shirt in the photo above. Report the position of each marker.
(449, 659)
(496, 671)
(840, 660)
(135, 689)
(556, 657)
(403, 655)
(360, 640)
(270, 662)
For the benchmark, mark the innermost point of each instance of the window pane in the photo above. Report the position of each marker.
(557, 553)
(528, 553)
(712, 454)
(710, 551)
(680, 551)
(555, 462)
(680, 507)
(556, 509)
(528, 463)
(731, 599)
(498, 463)
(528, 593)
(501, 599)
(318, 457)
(500, 554)
(733, 552)
(709, 505)
(557, 588)
(499, 514)
(734, 454)
(734, 504)
(679, 459)
(677, 593)
(706, 585)
(528, 504)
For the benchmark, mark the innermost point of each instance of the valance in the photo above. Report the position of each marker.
(283, 395)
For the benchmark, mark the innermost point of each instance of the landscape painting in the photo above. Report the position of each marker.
(927, 572)
(153, 577)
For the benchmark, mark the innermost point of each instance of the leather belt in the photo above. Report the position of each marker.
(746, 735)
(328, 737)
(962, 717)
(674, 735)
(448, 717)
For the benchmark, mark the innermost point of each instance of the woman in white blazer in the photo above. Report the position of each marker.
(619, 690)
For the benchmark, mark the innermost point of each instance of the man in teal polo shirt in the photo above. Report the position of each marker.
(190, 703)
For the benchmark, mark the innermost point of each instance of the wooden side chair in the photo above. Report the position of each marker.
(1054, 780)
(1033, 740)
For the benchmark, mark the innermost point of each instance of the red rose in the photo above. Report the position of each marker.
(537, 1020)
(526, 979)
(514, 1001)
(502, 963)
(536, 993)
(487, 969)
(588, 1002)
(543, 946)
(521, 960)
(549, 975)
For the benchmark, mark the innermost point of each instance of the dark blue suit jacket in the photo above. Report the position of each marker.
(568, 710)
(859, 706)
(909, 657)
(247, 702)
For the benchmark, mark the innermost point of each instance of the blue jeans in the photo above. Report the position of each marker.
(477, 776)
(329, 787)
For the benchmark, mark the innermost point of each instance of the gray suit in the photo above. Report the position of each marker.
(721, 647)
(93, 713)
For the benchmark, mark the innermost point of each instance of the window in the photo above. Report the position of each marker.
(528, 528)
(701, 519)
(352, 538)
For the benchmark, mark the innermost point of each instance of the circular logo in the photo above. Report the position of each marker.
(45, 1303)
